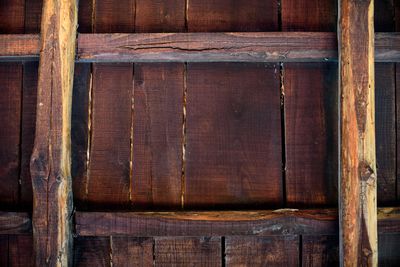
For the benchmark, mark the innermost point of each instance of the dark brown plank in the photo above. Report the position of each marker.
(86, 16)
(389, 250)
(92, 252)
(384, 14)
(311, 134)
(108, 182)
(111, 17)
(20, 250)
(262, 251)
(160, 16)
(10, 121)
(398, 127)
(309, 15)
(131, 251)
(12, 16)
(29, 97)
(233, 144)
(385, 132)
(80, 137)
(33, 15)
(232, 15)
(185, 251)
(320, 251)
(4, 250)
(15, 223)
(157, 135)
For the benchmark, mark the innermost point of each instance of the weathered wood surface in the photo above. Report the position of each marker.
(320, 250)
(358, 222)
(15, 223)
(51, 159)
(201, 47)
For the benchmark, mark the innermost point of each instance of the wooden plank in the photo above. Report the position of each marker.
(184, 251)
(311, 134)
(233, 143)
(109, 17)
(398, 128)
(20, 250)
(86, 16)
(80, 132)
(131, 251)
(14, 223)
(12, 16)
(50, 162)
(384, 16)
(385, 132)
(108, 180)
(10, 120)
(92, 252)
(29, 96)
(4, 250)
(157, 135)
(232, 15)
(358, 223)
(320, 251)
(389, 250)
(262, 251)
(19, 46)
(33, 15)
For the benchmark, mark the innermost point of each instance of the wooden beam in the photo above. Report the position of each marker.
(51, 159)
(357, 194)
(221, 223)
(201, 47)
(12, 223)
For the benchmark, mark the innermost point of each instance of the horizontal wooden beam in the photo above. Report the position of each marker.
(201, 47)
(12, 223)
(221, 223)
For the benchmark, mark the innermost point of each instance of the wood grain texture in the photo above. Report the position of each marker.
(12, 16)
(311, 134)
(262, 251)
(92, 252)
(385, 132)
(388, 250)
(19, 47)
(188, 251)
(384, 15)
(232, 15)
(10, 121)
(4, 250)
(233, 144)
(28, 121)
(20, 250)
(131, 251)
(51, 158)
(157, 135)
(358, 222)
(86, 16)
(15, 223)
(108, 178)
(80, 132)
(111, 17)
(33, 15)
(320, 251)
(398, 127)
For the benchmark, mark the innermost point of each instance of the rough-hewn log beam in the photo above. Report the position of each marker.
(357, 205)
(50, 162)
(206, 47)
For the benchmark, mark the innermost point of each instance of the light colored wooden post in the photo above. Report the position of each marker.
(51, 159)
(357, 200)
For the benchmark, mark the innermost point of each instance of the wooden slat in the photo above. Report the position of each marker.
(233, 143)
(157, 135)
(15, 223)
(92, 252)
(33, 15)
(131, 251)
(50, 162)
(4, 250)
(262, 251)
(358, 223)
(389, 250)
(398, 125)
(111, 17)
(12, 16)
(201, 47)
(20, 250)
(188, 251)
(320, 251)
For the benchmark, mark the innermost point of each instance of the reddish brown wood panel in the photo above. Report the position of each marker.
(28, 122)
(108, 182)
(160, 16)
(12, 16)
(233, 143)
(10, 121)
(262, 251)
(188, 251)
(110, 16)
(311, 96)
(389, 250)
(92, 252)
(33, 15)
(80, 137)
(232, 15)
(131, 251)
(320, 251)
(86, 16)
(385, 126)
(157, 135)
(309, 15)
(3, 250)
(20, 250)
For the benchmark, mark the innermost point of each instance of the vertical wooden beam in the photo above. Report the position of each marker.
(50, 162)
(358, 221)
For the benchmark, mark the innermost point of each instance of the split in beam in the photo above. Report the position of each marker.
(202, 47)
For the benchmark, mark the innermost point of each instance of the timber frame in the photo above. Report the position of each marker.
(357, 220)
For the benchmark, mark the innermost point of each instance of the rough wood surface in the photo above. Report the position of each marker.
(320, 251)
(358, 222)
(51, 159)
(12, 16)
(92, 252)
(131, 251)
(19, 46)
(15, 223)
(389, 250)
